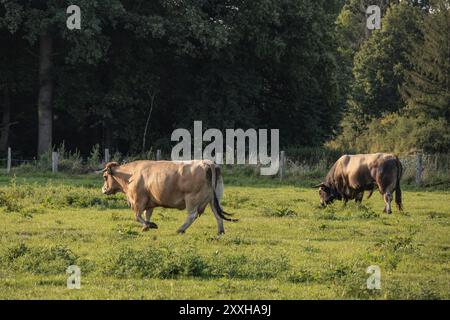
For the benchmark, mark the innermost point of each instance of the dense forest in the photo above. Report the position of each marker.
(138, 69)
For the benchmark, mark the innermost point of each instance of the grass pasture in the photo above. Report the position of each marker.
(283, 247)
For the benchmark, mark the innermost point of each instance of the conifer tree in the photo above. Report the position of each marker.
(426, 90)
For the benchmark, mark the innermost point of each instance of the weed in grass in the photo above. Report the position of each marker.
(301, 276)
(238, 240)
(327, 213)
(282, 212)
(397, 244)
(438, 215)
(422, 290)
(364, 212)
(311, 249)
(126, 232)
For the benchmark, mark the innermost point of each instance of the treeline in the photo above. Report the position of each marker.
(138, 69)
(397, 78)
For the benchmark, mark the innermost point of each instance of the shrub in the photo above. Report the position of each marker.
(166, 263)
(38, 260)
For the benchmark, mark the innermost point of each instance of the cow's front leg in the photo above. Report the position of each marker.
(359, 197)
(148, 224)
(138, 208)
(138, 217)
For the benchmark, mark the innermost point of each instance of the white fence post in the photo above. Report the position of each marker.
(107, 156)
(282, 164)
(158, 155)
(54, 162)
(219, 158)
(8, 161)
(419, 169)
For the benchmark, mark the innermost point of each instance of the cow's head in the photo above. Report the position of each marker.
(110, 185)
(327, 194)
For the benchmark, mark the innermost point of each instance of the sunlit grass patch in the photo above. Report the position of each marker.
(284, 246)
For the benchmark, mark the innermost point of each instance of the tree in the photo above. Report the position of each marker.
(44, 23)
(380, 64)
(426, 89)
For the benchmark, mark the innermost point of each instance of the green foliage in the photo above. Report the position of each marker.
(94, 158)
(38, 260)
(27, 199)
(211, 61)
(397, 133)
(166, 263)
(380, 63)
(427, 87)
(399, 100)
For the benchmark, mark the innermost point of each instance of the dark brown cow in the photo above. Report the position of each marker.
(351, 175)
(190, 185)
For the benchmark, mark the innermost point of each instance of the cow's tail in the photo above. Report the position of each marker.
(398, 191)
(217, 190)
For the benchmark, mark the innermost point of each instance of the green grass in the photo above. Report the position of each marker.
(283, 247)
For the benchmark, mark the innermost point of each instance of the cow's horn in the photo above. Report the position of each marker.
(100, 171)
(318, 185)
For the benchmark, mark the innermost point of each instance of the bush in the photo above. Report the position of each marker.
(155, 263)
(34, 198)
(166, 263)
(38, 260)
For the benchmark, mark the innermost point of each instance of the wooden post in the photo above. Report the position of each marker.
(219, 158)
(107, 156)
(419, 169)
(8, 161)
(282, 164)
(54, 162)
(158, 155)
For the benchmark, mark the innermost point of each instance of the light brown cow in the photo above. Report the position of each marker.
(351, 175)
(190, 185)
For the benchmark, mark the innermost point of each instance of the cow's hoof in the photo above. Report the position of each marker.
(145, 228)
(180, 231)
(152, 225)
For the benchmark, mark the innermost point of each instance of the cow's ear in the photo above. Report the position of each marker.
(109, 166)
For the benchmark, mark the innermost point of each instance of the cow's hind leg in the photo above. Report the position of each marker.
(220, 228)
(192, 215)
(148, 224)
(387, 200)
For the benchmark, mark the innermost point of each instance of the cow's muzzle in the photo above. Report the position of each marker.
(106, 191)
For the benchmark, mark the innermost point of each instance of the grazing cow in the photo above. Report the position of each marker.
(351, 175)
(190, 185)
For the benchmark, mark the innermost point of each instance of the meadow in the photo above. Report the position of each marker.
(283, 247)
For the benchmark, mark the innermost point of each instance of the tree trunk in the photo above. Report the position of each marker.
(4, 133)
(45, 94)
